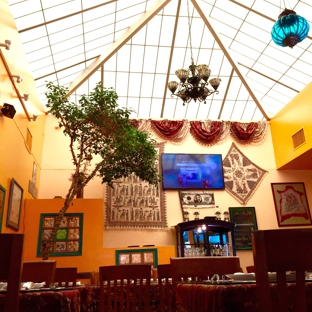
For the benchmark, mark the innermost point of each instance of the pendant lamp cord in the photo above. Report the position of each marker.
(189, 25)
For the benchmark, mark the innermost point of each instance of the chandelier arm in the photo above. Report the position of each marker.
(194, 86)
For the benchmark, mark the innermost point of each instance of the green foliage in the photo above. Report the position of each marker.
(97, 126)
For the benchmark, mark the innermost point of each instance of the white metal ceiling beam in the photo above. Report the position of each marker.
(197, 5)
(226, 93)
(117, 44)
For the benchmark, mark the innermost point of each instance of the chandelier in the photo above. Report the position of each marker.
(194, 84)
(289, 29)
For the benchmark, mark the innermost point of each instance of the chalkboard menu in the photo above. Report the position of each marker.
(245, 222)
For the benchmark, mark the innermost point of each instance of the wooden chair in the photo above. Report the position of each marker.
(84, 277)
(94, 278)
(166, 294)
(202, 268)
(250, 269)
(65, 277)
(39, 271)
(126, 288)
(11, 246)
(280, 251)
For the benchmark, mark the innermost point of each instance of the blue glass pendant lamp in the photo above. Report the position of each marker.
(289, 29)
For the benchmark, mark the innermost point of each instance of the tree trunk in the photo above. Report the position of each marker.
(47, 244)
(80, 193)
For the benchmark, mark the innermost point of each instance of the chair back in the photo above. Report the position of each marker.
(65, 277)
(11, 246)
(39, 271)
(202, 268)
(166, 294)
(281, 251)
(94, 278)
(250, 269)
(125, 288)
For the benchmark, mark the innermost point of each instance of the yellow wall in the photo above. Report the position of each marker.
(50, 152)
(16, 161)
(294, 116)
(93, 253)
(56, 171)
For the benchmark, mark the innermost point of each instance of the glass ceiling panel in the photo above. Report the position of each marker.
(245, 50)
(303, 67)
(33, 34)
(227, 16)
(139, 69)
(250, 42)
(22, 8)
(29, 20)
(46, 4)
(67, 23)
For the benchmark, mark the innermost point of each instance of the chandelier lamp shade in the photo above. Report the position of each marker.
(289, 29)
(194, 83)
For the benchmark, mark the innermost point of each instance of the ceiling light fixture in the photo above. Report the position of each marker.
(34, 117)
(18, 78)
(289, 29)
(8, 110)
(194, 86)
(6, 44)
(25, 97)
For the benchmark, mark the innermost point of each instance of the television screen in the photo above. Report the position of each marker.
(192, 171)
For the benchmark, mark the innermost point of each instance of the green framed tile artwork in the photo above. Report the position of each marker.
(137, 256)
(68, 239)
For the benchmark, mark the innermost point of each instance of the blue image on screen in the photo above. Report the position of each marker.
(192, 171)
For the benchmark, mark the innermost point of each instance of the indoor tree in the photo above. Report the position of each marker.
(99, 131)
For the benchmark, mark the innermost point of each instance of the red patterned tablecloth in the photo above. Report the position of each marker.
(228, 298)
(80, 299)
(48, 301)
(90, 296)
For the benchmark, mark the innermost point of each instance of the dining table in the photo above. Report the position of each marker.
(83, 298)
(229, 297)
(48, 300)
(90, 297)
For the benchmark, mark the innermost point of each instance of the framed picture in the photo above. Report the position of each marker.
(15, 206)
(291, 204)
(68, 238)
(137, 256)
(134, 204)
(245, 222)
(2, 201)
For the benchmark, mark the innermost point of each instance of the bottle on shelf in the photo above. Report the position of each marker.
(225, 250)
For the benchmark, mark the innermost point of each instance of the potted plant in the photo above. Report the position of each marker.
(98, 127)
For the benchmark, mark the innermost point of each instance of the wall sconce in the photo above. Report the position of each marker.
(25, 97)
(6, 44)
(8, 110)
(34, 117)
(18, 78)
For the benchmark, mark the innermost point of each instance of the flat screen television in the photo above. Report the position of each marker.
(192, 171)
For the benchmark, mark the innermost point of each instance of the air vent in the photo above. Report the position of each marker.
(298, 138)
